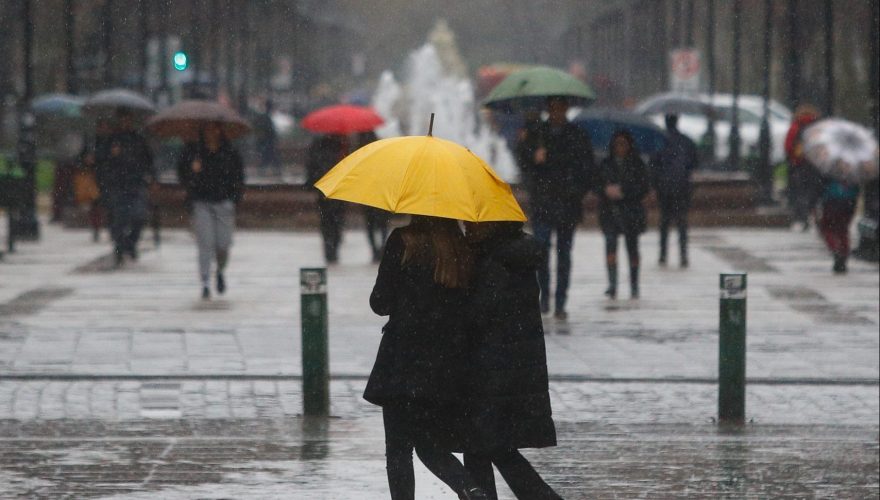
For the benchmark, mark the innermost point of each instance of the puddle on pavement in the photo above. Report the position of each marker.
(33, 301)
(741, 259)
(811, 302)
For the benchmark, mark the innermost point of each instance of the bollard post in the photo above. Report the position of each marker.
(732, 350)
(315, 364)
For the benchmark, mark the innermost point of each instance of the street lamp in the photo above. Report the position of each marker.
(27, 226)
(734, 142)
(764, 175)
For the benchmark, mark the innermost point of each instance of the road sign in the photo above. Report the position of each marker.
(684, 70)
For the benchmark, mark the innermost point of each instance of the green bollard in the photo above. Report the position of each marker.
(315, 364)
(732, 350)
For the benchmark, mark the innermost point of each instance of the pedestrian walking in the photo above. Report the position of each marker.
(621, 183)
(376, 219)
(417, 377)
(805, 184)
(267, 141)
(838, 205)
(211, 172)
(557, 161)
(508, 401)
(125, 170)
(671, 169)
(326, 151)
(86, 191)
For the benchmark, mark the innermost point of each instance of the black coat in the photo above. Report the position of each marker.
(509, 401)
(219, 178)
(625, 216)
(672, 166)
(422, 350)
(124, 165)
(557, 187)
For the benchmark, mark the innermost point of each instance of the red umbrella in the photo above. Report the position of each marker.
(342, 119)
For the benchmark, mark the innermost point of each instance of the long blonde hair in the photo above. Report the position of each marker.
(438, 241)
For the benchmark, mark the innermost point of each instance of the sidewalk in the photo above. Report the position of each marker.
(64, 311)
(124, 384)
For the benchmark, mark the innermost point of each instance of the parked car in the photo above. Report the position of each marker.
(694, 111)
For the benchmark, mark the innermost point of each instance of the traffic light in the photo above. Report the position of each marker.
(180, 60)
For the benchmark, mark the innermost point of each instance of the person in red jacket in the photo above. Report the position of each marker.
(804, 181)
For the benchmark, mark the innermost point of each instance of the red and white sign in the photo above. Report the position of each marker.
(684, 70)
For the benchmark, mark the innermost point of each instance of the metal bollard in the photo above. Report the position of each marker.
(732, 350)
(315, 363)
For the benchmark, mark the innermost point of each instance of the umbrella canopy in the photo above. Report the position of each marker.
(422, 175)
(342, 119)
(842, 150)
(601, 124)
(110, 100)
(186, 118)
(58, 105)
(530, 87)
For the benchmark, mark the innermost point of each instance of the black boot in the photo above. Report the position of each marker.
(634, 281)
(611, 292)
(473, 494)
(839, 264)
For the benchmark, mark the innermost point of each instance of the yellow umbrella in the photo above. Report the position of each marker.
(422, 175)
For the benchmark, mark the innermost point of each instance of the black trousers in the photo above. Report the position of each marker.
(332, 217)
(632, 247)
(403, 433)
(519, 474)
(674, 209)
(377, 229)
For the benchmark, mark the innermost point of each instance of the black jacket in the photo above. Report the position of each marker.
(123, 164)
(509, 401)
(624, 216)
(323, 154)
(557, 187)
(672, 166)
(421, 354)
(220, 176)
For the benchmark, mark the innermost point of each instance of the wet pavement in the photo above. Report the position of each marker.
(123, 384)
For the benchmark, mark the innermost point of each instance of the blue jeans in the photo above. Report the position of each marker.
(564, 242)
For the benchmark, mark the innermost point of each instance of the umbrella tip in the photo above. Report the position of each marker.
(431, 126)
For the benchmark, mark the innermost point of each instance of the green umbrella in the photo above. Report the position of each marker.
(531, 87)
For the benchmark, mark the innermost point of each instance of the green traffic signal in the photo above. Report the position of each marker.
(180, 60)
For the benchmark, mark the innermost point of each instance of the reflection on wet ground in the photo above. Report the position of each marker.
(32, 301)
(343, 458)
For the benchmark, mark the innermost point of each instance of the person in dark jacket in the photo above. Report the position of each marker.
(125, 171)
(805, 183)
(417, 377)
(212, 174)
(621, 183)
(324, 152)
(376, 219)
(556, 158)
(508, 401)
(672, 168)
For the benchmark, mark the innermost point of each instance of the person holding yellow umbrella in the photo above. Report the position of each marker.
(419, 378)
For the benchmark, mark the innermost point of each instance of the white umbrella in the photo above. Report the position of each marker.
(842, 150)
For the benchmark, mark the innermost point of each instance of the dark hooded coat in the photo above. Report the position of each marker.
(509, 401)
(627, 215)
